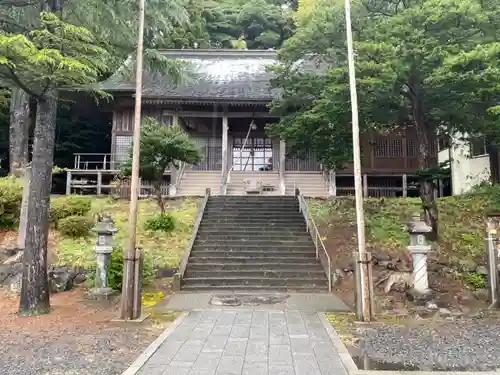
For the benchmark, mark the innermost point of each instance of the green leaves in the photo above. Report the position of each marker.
(56, 55)
(161, 146)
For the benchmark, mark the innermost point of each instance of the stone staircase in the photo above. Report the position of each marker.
(311, 184)
(249, 243)
(236, 185)
(194, 183)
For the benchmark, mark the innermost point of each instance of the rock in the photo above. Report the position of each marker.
(225, 301)
(468, 265)
(420, 298)
(482, 294)
(15, 283)
(79, 278)
(60, 280)
(337, 277)
(444, 311)
(377, 258)
(482, 270)
(16, 258)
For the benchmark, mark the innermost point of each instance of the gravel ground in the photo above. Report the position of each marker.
(74, 339)
(469, 345)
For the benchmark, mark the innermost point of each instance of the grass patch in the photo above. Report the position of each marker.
(162, 249)
(460, 225)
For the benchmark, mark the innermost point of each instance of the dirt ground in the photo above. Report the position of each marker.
(77, 337)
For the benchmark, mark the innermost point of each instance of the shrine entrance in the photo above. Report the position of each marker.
(253, 156)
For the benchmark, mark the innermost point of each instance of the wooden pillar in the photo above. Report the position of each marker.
(99, 183)
(405, 186)
(175, 120)
(332, 184)
(68, 182)
(282, 166)
(225, 130)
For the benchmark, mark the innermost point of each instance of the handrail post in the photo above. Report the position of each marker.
(104, 162)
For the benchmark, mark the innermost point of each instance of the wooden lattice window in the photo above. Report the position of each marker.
(388, 148)
(478, 147)
(122, 149)
(411, 148)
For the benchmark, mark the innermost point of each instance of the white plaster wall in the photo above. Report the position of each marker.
(466, 171)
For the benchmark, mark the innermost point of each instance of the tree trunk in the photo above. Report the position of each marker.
(159, 198)
(427, 186)
(19, 131)
(35, 290)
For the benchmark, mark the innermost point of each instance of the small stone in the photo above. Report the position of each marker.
(431, 305)
(60, 280)
(482, 294)
(15, 283)
(444, 311)
(482, 270)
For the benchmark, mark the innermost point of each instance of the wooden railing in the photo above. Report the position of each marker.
(318, 242)
(95, 161)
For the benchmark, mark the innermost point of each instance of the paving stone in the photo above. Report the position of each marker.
(255, 368)
(231, 365)
(281, 370)
(246, 343)
(280, 355)
(235, 347)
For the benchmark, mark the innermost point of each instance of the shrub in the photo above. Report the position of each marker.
(75, 226)
(115, 271)
(11, 196)
(72, 205)
(164, 223)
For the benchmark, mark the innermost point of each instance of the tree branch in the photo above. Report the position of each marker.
(20, 84)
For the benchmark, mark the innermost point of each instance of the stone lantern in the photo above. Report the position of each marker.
(105, 230)
(419, 248)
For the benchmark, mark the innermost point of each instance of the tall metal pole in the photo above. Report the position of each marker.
(362, 274)
(127, 305)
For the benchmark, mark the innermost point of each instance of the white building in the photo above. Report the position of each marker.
(469, 163)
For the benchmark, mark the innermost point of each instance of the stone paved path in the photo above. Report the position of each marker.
(248, 342)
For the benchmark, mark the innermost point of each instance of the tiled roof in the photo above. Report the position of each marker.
(215, 75)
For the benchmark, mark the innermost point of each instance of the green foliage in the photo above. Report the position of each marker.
(426, 64)
(56, 55)
(11, 195)
(75, 226)
(71, 205)
(162, 146)
(115, 271)
(164, 223)
(475, 280)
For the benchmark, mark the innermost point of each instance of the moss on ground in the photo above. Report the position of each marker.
(461, 221)
(162, 249)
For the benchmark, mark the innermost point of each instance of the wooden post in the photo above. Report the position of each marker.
(225, 130)
(139, 261)
(405, 186)
(99, 183)
(282, 167)
(68, 182)
(128, 292)
(365, 185)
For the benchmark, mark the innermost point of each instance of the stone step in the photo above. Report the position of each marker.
(256, 242)
(311, 282)
(263, 265)
(262, 273)
(252, 227)
(255, 289)
(242, 222)
(252, 247)
(254, 215)
(255, 231)
(264, 237)
(204, 253)
(252, 198)
(278, 210)
(252, 260)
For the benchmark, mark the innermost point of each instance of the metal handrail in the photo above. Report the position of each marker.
(178, 177)
(313, 230)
